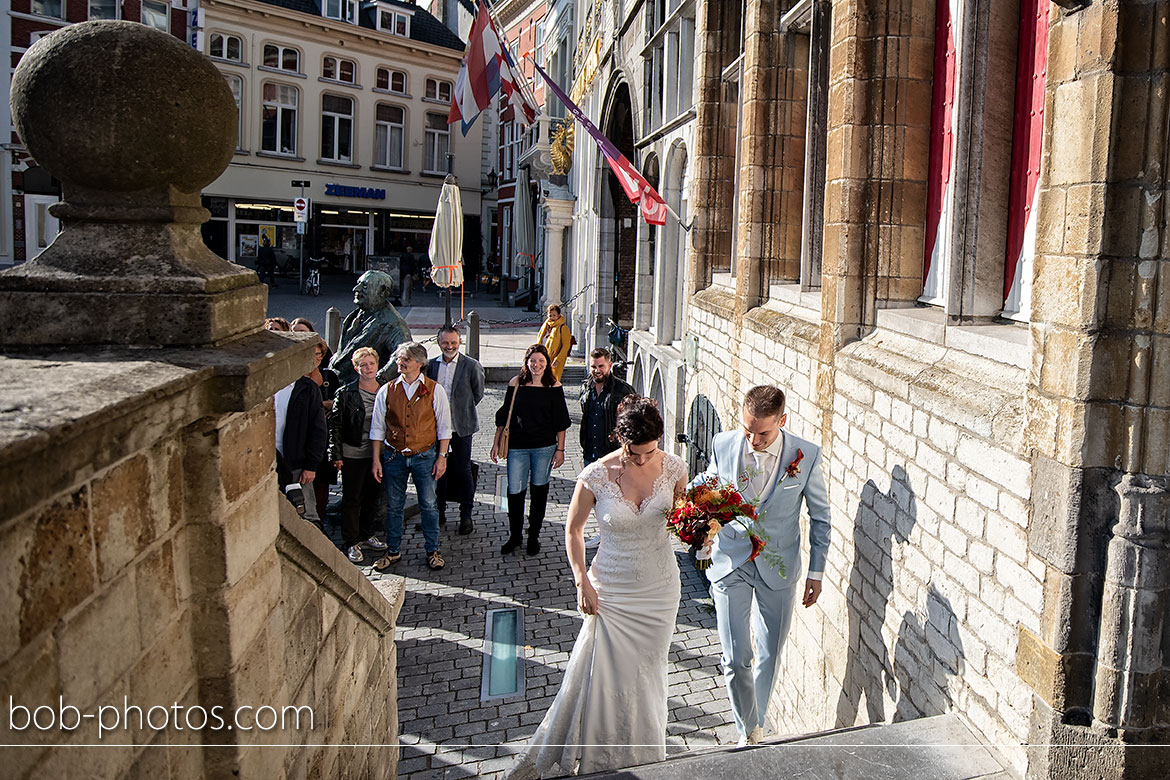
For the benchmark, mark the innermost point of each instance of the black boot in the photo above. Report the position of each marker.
(515, 522)
(536, 517)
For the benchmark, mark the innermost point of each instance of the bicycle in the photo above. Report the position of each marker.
(312, 283)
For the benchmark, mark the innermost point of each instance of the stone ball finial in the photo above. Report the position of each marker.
(116, 106)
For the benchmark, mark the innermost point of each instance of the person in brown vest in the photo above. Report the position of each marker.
(410, 431)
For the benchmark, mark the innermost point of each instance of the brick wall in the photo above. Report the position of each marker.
(929, 576)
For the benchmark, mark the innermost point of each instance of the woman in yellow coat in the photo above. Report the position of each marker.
(554, 335)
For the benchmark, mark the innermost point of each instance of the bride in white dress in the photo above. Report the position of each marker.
(611, 708)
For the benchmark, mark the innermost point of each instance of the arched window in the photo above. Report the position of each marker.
(391, 81)
(389, 136)
(237, 87)
(278, 119)
(282, 58)
(337, 69)
(227, 47)
(437, 89)
(336, 128)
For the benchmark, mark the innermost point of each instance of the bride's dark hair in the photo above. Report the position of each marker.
(638, 420)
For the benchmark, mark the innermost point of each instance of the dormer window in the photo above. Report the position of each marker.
(439, 90)
(342, 10)
(336, 69)
(394, 21)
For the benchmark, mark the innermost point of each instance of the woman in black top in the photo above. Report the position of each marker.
(536, 443)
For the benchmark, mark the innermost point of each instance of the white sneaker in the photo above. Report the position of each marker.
(355, 554)
(752, 738)
(592, 541)
(374, 543)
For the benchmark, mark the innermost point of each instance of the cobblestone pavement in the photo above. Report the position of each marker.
(446, 730)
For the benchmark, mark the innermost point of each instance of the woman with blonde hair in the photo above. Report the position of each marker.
(351, 452)
(554, 335)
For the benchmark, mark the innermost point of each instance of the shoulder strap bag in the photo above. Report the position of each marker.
(502, 450)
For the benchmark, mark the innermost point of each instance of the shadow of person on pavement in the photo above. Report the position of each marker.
(882, 519)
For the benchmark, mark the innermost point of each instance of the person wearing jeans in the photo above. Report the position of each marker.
(352, 453)
(411, 432)
(536, 443)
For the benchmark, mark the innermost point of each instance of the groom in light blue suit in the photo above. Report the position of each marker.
(776, 471)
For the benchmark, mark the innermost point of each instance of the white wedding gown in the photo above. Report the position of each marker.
(611, 709)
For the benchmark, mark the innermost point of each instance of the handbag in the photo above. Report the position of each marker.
(502, 450)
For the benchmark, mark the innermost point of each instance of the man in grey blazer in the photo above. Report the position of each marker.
(462, 377)
(776, 471)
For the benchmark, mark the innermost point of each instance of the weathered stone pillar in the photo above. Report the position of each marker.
(1099, 398)
(140, 519)
(880, 68)
(771, 171)
(713, 183)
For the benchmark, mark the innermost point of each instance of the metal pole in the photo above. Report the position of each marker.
(473, 334)
(301, 237)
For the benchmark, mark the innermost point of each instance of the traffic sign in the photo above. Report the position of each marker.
(301, 209)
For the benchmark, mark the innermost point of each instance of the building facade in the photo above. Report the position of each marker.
(26, 191)
(352, 100)
(940, 226)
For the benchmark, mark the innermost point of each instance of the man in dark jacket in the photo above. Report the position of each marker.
(301, 435)
(462, 377)
(600, 395)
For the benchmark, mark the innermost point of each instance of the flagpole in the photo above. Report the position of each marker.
(529, 92)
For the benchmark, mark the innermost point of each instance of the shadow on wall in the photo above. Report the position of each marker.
(928, 649)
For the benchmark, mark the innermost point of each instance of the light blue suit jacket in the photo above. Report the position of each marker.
(778, 512)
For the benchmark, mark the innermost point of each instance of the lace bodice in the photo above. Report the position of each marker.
(635, 545)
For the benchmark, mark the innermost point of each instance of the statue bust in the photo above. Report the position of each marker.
(374, 323)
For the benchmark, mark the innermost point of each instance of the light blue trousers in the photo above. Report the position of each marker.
(750, 672)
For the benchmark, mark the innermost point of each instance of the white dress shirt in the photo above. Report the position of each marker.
(438, 403)
(763, 469)
(447, 373)
(280, 400)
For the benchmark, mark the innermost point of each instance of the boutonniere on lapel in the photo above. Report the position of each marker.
(420, 393)
(793, 468)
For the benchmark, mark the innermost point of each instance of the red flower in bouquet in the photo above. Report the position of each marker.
(708, 506)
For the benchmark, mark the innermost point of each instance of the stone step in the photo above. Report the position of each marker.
(939, 747)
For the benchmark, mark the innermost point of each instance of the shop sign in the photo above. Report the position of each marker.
(343, 191)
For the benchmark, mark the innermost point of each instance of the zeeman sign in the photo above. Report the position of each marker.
(342, 191)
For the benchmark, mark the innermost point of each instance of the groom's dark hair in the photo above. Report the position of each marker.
(764, 401)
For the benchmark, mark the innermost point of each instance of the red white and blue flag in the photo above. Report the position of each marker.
(488, 69)
(638, 190)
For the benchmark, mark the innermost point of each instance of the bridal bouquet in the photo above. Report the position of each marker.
(708, 506)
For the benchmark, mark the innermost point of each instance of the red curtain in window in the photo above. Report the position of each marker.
(942, 130)
(1027, 134)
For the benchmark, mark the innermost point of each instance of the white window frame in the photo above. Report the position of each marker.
(161, 5)
(280, 52)
(337, 63)
(281, 108)
(433, 140)
(396, 15)
(117, 12)
(342, 10)
(236, 84)
(340, 122)
(438, 85)
(225, 38)
(390, 74)
(42, 12)
(383, 145)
